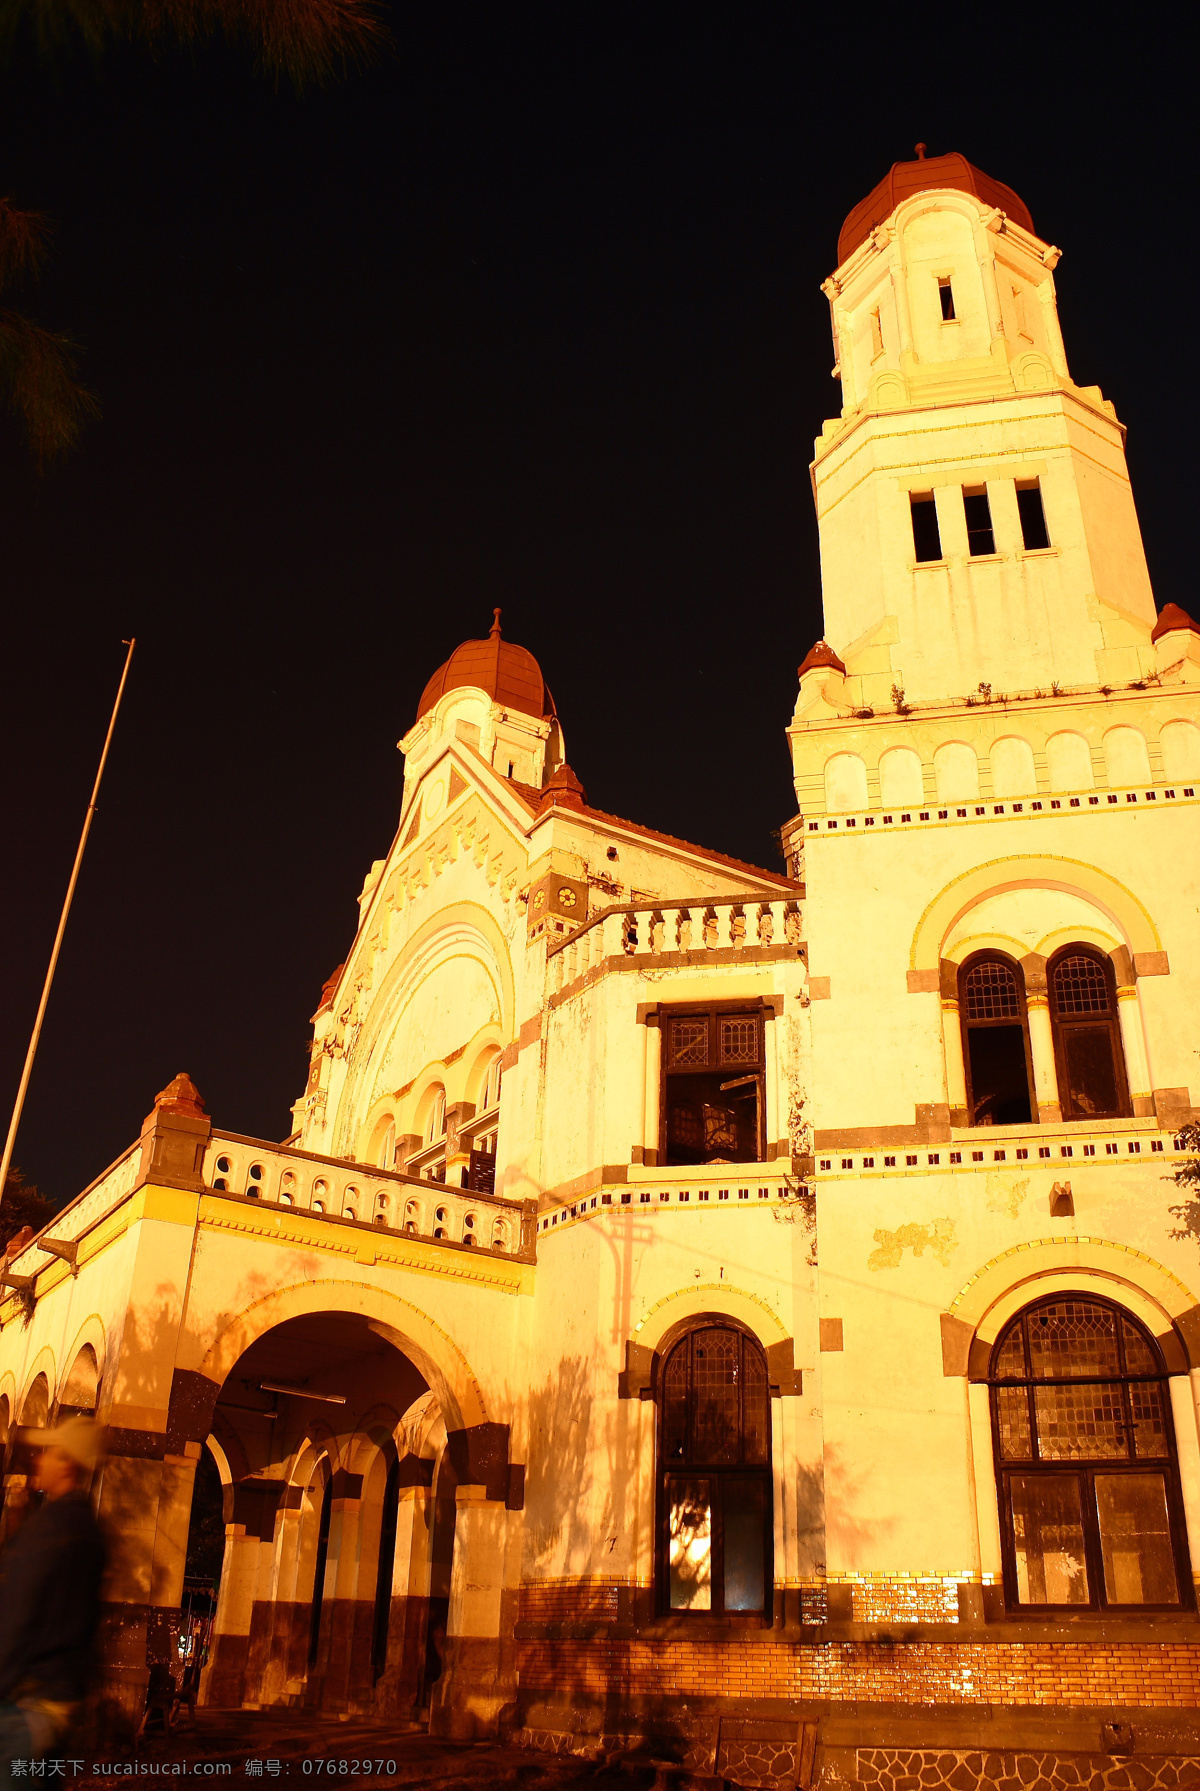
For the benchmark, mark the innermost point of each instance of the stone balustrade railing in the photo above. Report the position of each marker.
(676, 931)
(82, 1213)
(362, 1193)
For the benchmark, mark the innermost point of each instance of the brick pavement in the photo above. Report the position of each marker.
(294, 1749)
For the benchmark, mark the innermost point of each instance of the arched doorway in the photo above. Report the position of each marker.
(714, 1478)
(310, 1420)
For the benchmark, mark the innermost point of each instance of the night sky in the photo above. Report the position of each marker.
(527, 313)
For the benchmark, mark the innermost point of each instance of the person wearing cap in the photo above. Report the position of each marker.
(50, 1575)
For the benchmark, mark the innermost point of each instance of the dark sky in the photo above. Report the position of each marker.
(528, 314)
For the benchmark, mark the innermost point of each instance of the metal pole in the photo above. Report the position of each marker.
(62, 927)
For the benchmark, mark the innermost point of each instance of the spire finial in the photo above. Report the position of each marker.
(495, 628)
(920, 149)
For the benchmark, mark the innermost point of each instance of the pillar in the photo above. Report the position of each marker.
(1133, 1042)
(956, 1075)
(1041, 1041)
(652, 1121)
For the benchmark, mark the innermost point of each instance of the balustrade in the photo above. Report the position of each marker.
(748, 924)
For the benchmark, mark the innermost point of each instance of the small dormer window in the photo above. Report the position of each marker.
(946, 297)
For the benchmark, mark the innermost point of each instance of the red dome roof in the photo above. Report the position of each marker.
(821, 654)
(1172, 618)
(509, 674)
(903, 179)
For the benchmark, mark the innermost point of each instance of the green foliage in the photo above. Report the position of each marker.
(22, 1205)
(1187, 1176)
(308, 41)
(37, 367)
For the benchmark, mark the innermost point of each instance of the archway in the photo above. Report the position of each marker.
(324, 1586)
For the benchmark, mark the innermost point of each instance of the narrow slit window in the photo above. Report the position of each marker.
(980, 536)
(876, 335)
(927, 540)
(946, 296)
(1034, 532)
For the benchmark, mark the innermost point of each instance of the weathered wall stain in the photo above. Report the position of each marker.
(938, 1237)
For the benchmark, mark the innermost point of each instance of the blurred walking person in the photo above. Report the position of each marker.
(50, 1573)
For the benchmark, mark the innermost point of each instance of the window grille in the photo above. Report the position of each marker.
(689, 1042)
(1080, 986)
(991, 991)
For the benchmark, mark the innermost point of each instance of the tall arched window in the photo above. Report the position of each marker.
(1087, 1037)
(991, 1001)
(1090, 1511)
(714, 1482)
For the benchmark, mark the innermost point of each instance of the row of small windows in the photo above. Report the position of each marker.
(933, 1158)
(1087, 1474)
(1069, 766)
(981, 535)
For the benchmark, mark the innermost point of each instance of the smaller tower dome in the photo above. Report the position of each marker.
(509, 674)
(903, 179)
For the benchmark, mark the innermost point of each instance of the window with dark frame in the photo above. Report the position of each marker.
(927, 539)
(1032, 511)
(946, 300)
(981, 537)
(1087, 1037)
(714, 1484)
(995, 1035)
(1086, 1468)
(713, 1108)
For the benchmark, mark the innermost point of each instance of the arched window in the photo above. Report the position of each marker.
(1087, 1038)
(991, 1000)
(435, 1119)
(1090, 1510)
(714, 1481)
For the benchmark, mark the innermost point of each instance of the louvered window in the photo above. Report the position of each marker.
(712, 1094)
(1087, 1038)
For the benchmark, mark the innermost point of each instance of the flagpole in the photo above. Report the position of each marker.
(62, 927)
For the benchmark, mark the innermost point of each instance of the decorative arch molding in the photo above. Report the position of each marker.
(90, 1335)
(402, 1324)
(42, 1364)
(1073, 875)
(985, 1303)
(461, 930)
(713, 1300)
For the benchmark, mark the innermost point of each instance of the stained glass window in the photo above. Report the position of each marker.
(1079, 1400)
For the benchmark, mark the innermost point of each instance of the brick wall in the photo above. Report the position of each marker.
(1036, 1673)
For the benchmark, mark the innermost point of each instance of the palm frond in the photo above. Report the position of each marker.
(307, 40)
(39, 388)
(23, 236)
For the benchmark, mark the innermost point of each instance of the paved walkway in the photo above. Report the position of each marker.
(268, 1748)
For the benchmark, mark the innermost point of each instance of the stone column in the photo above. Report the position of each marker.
(225, 1675)
(480, 1674)
(652, 1121)
(956, 1075)
(1041, 1041)
(1133, 1040)
(399, 1686)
